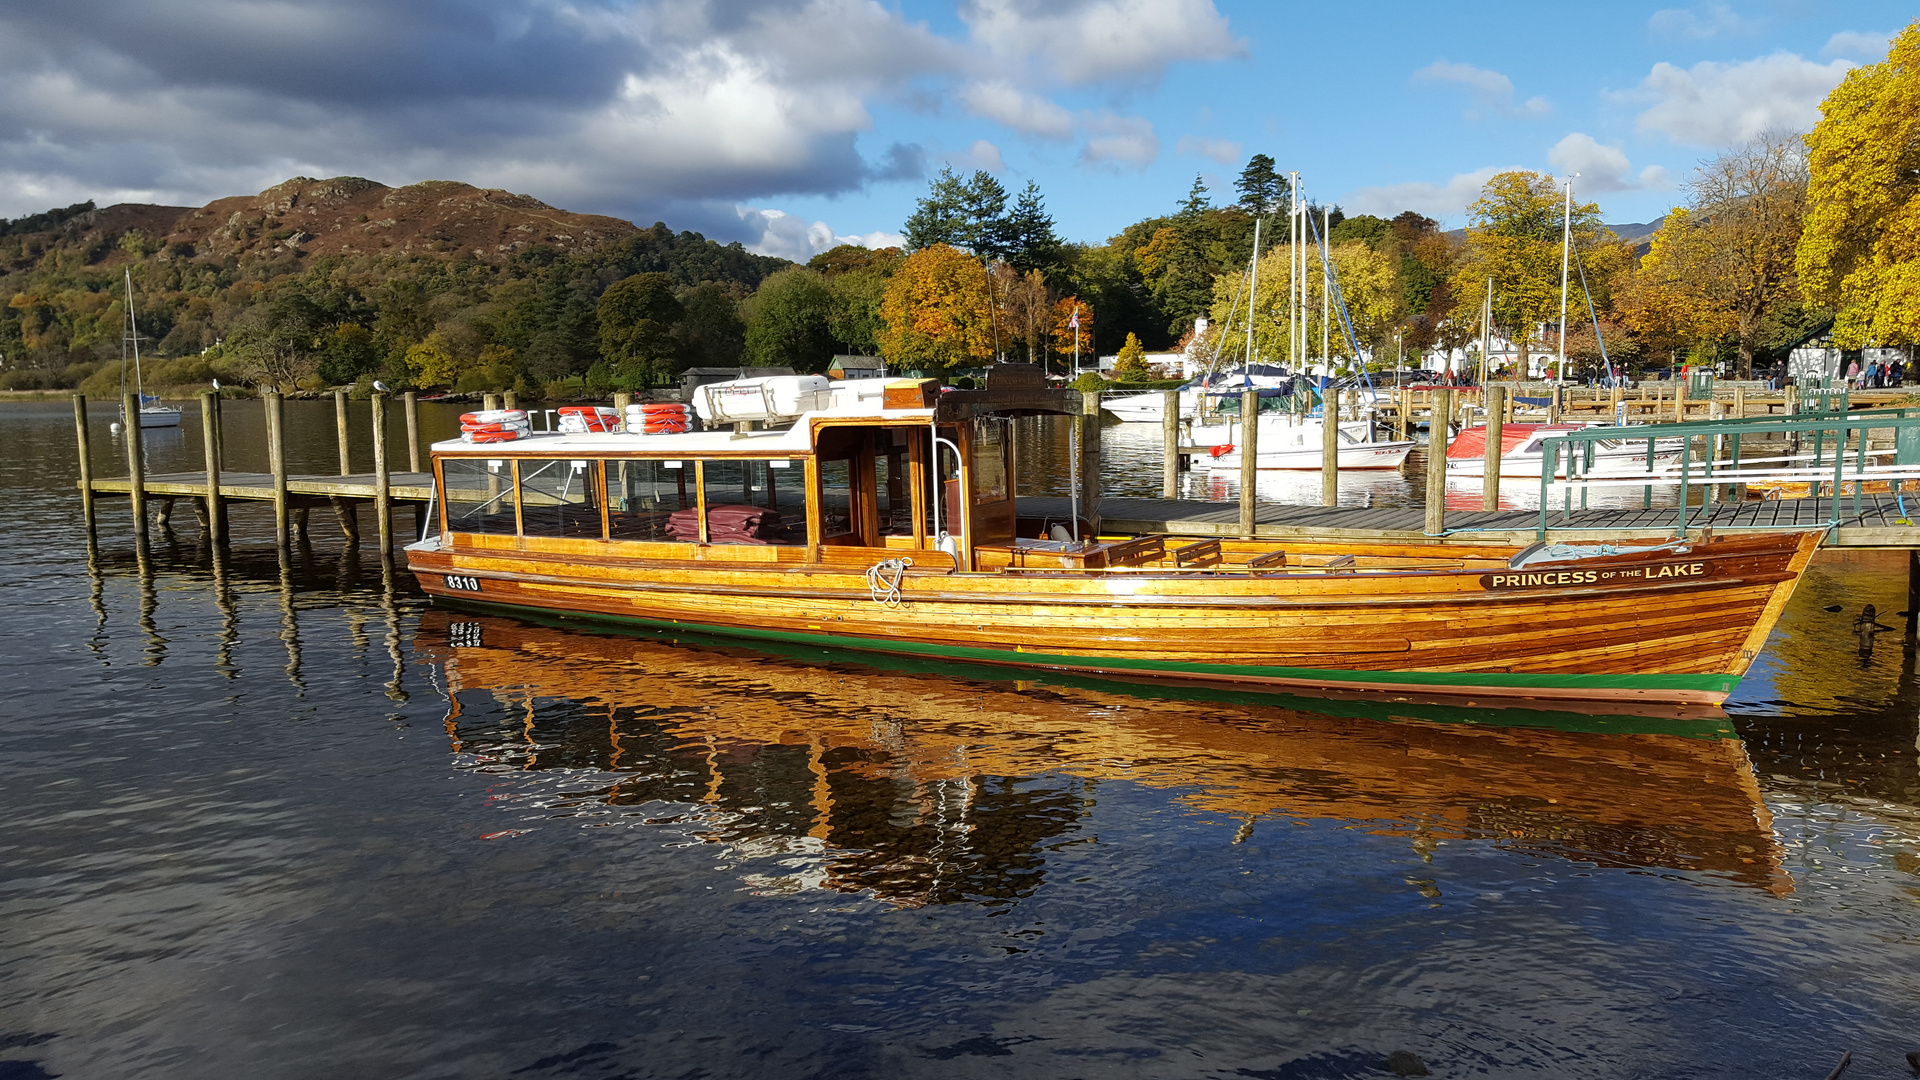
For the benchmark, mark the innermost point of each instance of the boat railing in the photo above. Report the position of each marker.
(1718, 460)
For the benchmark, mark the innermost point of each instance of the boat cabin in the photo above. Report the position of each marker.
(870, 476)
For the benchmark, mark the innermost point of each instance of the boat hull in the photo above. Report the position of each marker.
(1666, 626)
(1387, 455)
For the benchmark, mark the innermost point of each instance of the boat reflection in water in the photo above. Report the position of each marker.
(951, 783)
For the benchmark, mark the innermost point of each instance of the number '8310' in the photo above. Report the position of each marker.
(463, 583)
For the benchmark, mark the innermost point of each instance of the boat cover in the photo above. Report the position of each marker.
(1472, 443)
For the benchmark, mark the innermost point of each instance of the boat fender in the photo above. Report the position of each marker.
(1222, 450)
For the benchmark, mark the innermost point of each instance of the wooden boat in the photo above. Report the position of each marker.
(839, 540)
(1523, 449)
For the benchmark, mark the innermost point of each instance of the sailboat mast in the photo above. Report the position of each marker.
(133, 335)
(1326, 293)
(1253, 288)
(1566, 248)
(1486, 333)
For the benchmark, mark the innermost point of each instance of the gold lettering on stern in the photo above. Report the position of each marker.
(1546, 578)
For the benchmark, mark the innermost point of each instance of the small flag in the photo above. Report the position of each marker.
(1074, 323)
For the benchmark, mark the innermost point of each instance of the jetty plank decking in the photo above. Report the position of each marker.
(405, 486)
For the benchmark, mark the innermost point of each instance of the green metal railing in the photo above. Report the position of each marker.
(1837, 439)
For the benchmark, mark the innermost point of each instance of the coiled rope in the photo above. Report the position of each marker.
(885, 589)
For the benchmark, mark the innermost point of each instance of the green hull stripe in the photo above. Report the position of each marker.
(1711, 684)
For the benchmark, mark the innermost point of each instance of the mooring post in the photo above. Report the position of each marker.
(382, 489)
(1680, 400)
(1169, 444)
(340, 431)
(85, 440)
(136, 466)
(1490, 473)
(1437, 463)
(277, 464)
(413, 431)
(1329, 448)
(1913, 593)
(1090, 460)
(621, 400)
(210, 449)
(490, 402)
(1553, 404)
(1739, 403)
(1249, 458)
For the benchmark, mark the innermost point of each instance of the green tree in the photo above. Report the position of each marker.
(637, 317)
(348, 353)
(433, 363)
(1859, 254)
(1262, 189)
(1034, 244)
(787, 321)
(854, 317)
(939, 216)
(712, 333)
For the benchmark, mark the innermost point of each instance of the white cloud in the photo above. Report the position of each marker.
(1715, 105)
(981, 155)
(1601, 168)
(1434, 200)
(1490, 88)
(1699, 22)
(1086, 41)
(788, 237)
(1021, 111)
(1121, 140)
(1870, 47)
(1656, 178)
(1224, 151)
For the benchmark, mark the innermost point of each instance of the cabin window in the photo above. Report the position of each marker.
(643, 495)
(754, 501)
(558, 497)
(477, 494)
(836, 498)
(989, 473)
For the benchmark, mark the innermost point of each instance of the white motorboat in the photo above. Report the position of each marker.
(1521, 451)
(1151, 406)
(155, 415)
(1294, 442)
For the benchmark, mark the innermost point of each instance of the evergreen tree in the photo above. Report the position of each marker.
(988, 229)
(1035, 245)
(1262, 189)
(940, 217)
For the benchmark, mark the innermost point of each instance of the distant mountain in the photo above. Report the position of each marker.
(1637, 234)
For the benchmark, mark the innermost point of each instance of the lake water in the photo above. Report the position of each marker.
(296, 822)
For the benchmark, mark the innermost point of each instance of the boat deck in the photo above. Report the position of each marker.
(1879, 523)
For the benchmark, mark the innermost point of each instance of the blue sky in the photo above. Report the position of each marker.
(794, 124)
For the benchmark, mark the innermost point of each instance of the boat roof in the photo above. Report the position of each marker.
(797, 439)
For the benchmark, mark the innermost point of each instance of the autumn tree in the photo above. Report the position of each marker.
(637, 316)
(1365, 278)
(937, 311)
(1860, 253)
(1073, 329)
(1026, 307)
(1667, 300)
(1131, 364)
(1514, 235)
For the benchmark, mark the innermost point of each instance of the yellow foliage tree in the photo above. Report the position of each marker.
(937, 310)
(1860, 250)
(433, 363)
(1667, 299)
(1131, 364)
(1514, 237)
(1369, 283)
(1067, 336)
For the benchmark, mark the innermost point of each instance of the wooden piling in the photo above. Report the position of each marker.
(413, 430)
(1913, 593)
(620, 402)
(1739, 403)
(340, 431)
(1490, 477)
(510, 400)
(136, 466)
(490, 402)
(1329, 450)
(210, 448)
(277, 463)
(1170, 444)
(84, 438)
(1249, 458)
(382, 484)
(1437, 463)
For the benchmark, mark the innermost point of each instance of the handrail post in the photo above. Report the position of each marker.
(1686, 467)
(1549, 453)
